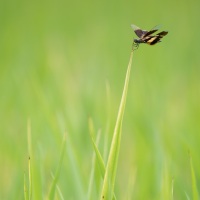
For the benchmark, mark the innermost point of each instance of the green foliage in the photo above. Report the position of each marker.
(56, 57)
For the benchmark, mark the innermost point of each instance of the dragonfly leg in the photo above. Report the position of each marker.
(135, 46)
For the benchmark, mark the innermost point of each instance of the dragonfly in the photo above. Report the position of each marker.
(146, 37)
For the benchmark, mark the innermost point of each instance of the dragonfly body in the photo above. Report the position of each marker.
(139, 41)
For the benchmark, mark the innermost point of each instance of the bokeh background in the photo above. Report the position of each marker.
(56, 60)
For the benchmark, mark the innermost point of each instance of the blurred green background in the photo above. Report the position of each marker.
(55, 60)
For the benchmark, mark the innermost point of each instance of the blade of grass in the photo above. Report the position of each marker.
(98, 154)
(55, 179)
(60, 193)
(25, 189)
(188, 198)
(29, 160)
(172, 191)
(30, 178)
(166, 184)
(107, 131)
(99, 159)
(90, 189)
(109, 179)
(75, 170)
(194, 185)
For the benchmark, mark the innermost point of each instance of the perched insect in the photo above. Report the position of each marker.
(146, 36)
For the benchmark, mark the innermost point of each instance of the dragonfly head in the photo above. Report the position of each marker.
(136, 41)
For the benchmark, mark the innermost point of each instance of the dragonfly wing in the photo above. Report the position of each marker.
(153, 30)
(153, 40)
(138, 31)
(163, 33)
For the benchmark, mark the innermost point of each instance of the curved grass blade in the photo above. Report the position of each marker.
(60, 193)
(98, 154)
(110, 174)
(194, 185)
(94, 161)
(108, 114)
(55, 179)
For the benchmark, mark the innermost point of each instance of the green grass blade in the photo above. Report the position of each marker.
(99, 158)
(194, 185)
(167, 184)
(25, 188)
(172, 190)
(60, 193)
(188, 198)
(30, 178)
(98, 154)
(29, 160)
(94, 160)
(108, 114)
(109, 179)
(75, 170)
(55, 179)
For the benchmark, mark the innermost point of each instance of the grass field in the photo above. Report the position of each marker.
(62, 72)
